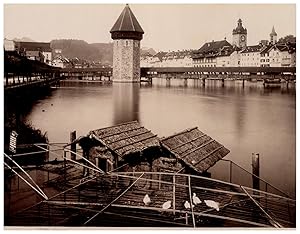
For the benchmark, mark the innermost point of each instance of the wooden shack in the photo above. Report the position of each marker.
(127, 143)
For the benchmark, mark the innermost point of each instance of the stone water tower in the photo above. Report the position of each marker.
(127, 34)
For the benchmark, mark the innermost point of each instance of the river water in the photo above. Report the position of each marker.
(246, 120)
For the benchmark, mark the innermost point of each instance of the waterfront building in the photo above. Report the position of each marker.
(146, 60)
(127, 34)
(157, 59)
(181, 58)
(32, 49)
(239, 35)
(207, 55)
(235, 57)
(283, 55)
(9, 45)
(35, 55)
(265, 56)
(177, 59)
(273, 36)
(60, 61)
(224, 58)
(250, 56)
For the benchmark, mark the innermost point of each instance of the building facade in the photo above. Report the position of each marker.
(29, 48)
(9, 45)
(282, 55)
(127, 34)
(250, 56)
(212, 54)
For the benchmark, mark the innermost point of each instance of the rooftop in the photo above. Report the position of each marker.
(126, 23)
(126, 138)
(195, 149)
(239, 29)
(252, 49)
(211, 49)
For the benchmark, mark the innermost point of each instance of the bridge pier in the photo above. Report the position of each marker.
(168, 81)
(223, 82)
(185, 82)
(203, 82)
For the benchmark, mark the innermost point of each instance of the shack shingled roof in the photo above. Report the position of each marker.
(195, 149)
(126, 138)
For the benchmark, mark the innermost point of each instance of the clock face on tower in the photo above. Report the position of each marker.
(243, 38)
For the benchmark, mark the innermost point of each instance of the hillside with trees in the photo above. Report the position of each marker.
(94, 52)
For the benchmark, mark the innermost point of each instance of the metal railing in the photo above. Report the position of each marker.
(239, 175)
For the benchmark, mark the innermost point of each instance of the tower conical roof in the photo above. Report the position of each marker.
(273, 33)
(127, 22)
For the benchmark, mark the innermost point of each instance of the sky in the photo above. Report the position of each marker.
(167, 26)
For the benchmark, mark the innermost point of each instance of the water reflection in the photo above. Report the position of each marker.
(126, 102)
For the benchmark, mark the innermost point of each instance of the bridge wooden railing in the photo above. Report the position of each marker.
(251, 70)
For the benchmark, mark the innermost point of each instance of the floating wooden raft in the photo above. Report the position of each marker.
(195, 149)
(116, 199)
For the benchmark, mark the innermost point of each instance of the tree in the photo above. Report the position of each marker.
(288, 38)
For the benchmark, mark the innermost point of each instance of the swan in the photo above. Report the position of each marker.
(196, 199)
(147, 200)
(166, 205)
(187, 205)
(212, 204)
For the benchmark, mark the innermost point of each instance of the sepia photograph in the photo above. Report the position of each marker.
(147, 115)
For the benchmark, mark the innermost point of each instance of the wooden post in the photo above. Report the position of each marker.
(255, 170)
(230, 172)
(223, 82)
(174, 192)
(6, 78)
(73, 146)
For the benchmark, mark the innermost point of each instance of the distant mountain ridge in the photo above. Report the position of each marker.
(97, 52)
(24, 39)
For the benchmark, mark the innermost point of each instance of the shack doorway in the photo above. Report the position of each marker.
(102, 164)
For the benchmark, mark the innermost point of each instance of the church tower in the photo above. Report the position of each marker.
(127, 34)
(239, 35)
(273, 36)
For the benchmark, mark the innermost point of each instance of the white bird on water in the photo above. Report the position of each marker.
(166, 205)
(196, 199)
(187, 205)
(147, 200)
(212, 204)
